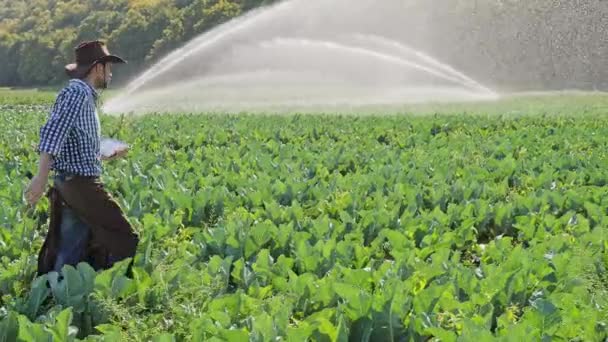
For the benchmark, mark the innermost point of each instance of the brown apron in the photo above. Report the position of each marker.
(112, 237)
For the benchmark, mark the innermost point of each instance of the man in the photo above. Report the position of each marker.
(86, 223)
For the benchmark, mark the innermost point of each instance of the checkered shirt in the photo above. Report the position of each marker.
(72, 133)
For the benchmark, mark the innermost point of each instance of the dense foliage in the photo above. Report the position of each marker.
(373, 227)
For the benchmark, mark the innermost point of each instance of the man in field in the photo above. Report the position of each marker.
(86, 223)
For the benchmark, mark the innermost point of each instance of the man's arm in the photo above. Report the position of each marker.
(44, 167)
(39, 182)
(52, 138)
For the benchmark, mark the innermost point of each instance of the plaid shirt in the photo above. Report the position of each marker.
(72, 133)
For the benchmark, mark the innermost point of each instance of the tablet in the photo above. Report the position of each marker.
(110, 147)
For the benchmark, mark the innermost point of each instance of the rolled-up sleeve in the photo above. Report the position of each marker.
(65, 110)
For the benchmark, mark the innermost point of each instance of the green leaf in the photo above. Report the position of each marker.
(360, 330)
(37, 295)
(427, 299)
(109, 330)
(143, 284)
(471, 329)
(242, 274)
(221, 317)
(544, 306)
(166, 337)
(550, 314)
(442, 334)
(264, 326)
(87, 275)
(62, 331)
(259, 235)
(113, 282)
(522, 331)
(71, 291)
(301, 333)
(359, 302)
(68, 291)
(342, 335)
(326, 328)
(235, 335)
(9, 328)
(227, 303)
(31, 332)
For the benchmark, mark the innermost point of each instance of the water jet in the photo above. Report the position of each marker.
(312, 54)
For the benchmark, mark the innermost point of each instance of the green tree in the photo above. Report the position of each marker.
(10, 57)
(36, 56)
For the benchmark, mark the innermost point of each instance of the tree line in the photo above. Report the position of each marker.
(37, 37)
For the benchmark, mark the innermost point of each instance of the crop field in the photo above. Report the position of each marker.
(485, 222)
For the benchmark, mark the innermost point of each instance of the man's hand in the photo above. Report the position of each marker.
(116, 155)
(35, 190)
(37, 186)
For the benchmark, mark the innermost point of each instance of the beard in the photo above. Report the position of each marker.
(102, 83)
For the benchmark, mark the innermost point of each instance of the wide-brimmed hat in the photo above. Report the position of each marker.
(87, 55)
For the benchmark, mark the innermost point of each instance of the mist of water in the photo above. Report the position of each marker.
(318, 54)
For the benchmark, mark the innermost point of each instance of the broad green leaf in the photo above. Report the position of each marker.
(235, 335)
(300, 333)
(62, 330)
(359, 302)
(441, 334)
(36, 297)
(549, 314)
(9, 328)
(470, 329)
(166, 337)
(326, 328)
(227, 303)
(343, 334)
(31, 332)
(263, 325)
(113, 282)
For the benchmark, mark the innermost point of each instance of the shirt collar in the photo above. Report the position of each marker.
(90, 89)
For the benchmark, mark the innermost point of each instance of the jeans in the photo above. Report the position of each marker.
(74, 234)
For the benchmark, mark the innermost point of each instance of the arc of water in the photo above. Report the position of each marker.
(207, 40)
(422, 56)
(361, 51)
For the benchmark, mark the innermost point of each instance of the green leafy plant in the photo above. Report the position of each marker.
(327, 228)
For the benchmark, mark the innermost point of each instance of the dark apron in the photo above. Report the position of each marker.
(112, 237)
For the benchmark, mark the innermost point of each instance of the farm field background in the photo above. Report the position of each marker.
(449, 222)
